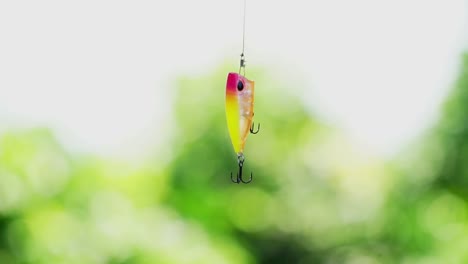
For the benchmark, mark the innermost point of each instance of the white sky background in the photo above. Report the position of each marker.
(99, 72)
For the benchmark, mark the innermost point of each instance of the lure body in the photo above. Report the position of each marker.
(239, 109)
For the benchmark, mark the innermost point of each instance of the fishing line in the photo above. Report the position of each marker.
(243, 29)
(242, 61)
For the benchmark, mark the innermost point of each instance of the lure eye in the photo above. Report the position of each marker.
(240, 86)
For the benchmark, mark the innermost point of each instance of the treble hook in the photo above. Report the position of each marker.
(251, 128)
(239, 179)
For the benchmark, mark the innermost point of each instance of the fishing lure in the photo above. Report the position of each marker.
(240, 111)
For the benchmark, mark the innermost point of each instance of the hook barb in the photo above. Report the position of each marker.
(252, 128)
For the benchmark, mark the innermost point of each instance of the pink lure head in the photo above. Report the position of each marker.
(235, 82)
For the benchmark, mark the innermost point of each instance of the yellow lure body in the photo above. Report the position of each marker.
(239, 109)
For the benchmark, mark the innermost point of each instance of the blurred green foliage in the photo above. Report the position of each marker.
(316, 197)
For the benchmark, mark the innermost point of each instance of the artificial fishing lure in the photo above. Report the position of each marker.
(240, 111)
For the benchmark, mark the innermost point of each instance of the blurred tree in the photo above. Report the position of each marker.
(427, 212)
(317, 197)
(453, 133)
